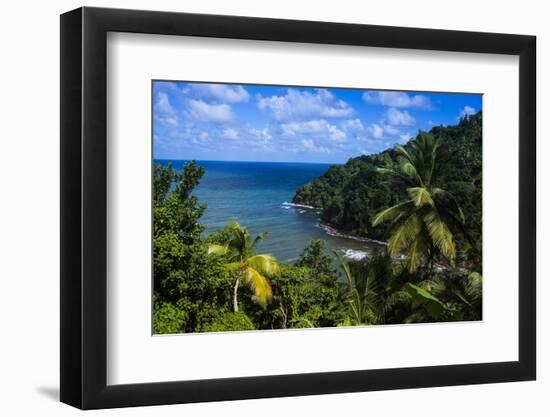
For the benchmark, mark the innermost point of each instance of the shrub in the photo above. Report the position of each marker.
(230, 322)
(167, 318)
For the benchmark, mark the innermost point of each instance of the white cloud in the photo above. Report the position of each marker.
(399, 118)
(225, 93)
(218, 113)
(196, 137)
(163, 104)
(296, 104)
(319, 128)
(261, 134)
(309, 145)
(381, 131)
(390, 130)
(353, 125)
(376, 131)
(397, 99)
(168, 121)
(230, 133)
(186, 134)
(467, 111)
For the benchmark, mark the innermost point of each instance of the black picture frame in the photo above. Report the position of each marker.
(84, 207)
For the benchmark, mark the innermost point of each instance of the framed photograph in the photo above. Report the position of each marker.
(257, 208)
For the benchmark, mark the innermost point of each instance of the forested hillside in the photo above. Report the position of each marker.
(423, 198)
(351, 195)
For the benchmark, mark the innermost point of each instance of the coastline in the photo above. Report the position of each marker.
(304, 206)
(331, 230)
(335, 232)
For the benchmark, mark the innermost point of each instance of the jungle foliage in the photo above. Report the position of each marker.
(424, 198)
(351, 195)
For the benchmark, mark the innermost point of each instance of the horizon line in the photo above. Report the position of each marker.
(261, 162)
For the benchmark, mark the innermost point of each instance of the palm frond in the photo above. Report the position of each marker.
(217, 250)
(420, 196)
(390, 213)
(473, 287)
(441, 235)
(345, 267)
(354, 306)
(234, 227)
(458, 294)
(405, 153)
(448, 199)
(233, 266)
(411, 172)
(240, 238)
(264, 263)
(416, 253)
(371, 301)
(404, 234)
(433, 157)
(397, 176)
(259, 285)
(387, 171)
(257, 240)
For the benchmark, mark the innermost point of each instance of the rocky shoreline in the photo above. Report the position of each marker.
(335, 232)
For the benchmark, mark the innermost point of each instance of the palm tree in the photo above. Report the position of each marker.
(374, 290)
(247, 267)
(419, 223)
(463, 294)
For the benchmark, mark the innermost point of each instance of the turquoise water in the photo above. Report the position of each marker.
(258, 195)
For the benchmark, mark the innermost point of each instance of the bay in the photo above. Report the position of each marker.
(258, 195)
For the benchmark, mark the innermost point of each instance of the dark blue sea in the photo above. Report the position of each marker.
(258, 195)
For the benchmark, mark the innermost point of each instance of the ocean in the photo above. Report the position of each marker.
(258, 195)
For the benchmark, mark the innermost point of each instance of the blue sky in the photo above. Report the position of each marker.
(232, 122)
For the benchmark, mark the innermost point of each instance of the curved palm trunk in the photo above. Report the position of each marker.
(235, 292)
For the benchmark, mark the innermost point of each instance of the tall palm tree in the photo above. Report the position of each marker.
(419, 224)
(252, 269)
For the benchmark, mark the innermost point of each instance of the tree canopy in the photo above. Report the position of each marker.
(424, 198)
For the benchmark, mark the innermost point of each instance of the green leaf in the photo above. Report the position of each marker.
(217, 250)
(425, 299)
(390, 213)
(404, 235)
(441, 235)
(420, 196)
(264, 263)
(259, 285)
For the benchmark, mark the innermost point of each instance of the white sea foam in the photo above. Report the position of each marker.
(356, 255)
(304, 206)
(291, 260)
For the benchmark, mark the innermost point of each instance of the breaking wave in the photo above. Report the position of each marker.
(356, 255)
(295, 205)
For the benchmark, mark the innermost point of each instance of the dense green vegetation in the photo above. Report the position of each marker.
(351, 195)
(423, 198)
(238, 250)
